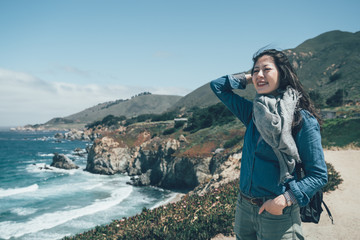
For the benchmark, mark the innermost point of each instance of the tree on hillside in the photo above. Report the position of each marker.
(316, 98)
(336, 99)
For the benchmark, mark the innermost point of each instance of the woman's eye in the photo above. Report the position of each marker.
(255, 71)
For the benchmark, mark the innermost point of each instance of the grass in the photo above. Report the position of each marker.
(341, 132)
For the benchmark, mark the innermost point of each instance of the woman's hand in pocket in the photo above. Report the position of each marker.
(274, 206)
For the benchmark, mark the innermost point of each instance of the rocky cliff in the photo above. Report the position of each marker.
(159, 160)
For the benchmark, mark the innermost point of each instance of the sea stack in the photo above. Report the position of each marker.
(62, 161)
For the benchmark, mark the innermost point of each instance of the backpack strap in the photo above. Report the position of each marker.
(300, 174)
(328, 211)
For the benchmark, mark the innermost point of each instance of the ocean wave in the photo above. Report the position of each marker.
(23, 211)
(44, 138)
(45, 154)
(42, 167)
(15, 191)
(10, 229)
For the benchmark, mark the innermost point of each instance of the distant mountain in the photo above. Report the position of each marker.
(325, 64)
(143, 104)
(204, 97)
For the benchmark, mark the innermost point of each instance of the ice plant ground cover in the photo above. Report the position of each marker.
(193, 217)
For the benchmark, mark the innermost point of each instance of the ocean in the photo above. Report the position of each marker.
(50, 203)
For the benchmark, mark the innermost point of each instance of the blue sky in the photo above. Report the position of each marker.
(60, 57)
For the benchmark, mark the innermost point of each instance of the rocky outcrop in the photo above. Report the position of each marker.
(80, 135)
(62, 161)
(225, 169)
(155, 161)
(107, 157)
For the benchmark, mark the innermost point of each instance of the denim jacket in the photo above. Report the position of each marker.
(259, 174)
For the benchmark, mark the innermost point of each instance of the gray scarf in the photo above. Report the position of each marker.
(273, 117)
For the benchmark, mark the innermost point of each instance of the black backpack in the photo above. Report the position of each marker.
(312, 211)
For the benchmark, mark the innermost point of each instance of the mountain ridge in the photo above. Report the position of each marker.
(325, 64)
(322, 68)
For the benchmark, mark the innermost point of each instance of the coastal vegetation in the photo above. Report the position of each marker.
(334, 129)
(193, 217)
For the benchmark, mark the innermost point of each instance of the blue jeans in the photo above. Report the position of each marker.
(249, 225)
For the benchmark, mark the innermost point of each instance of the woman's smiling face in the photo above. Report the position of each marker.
(265, 75)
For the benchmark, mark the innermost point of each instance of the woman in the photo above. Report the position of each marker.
(282, 129)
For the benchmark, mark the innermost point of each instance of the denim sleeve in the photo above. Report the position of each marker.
(239, 106)
(308, 141)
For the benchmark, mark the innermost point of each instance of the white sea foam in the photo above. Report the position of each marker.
(94, 186)
(10, 229)
(45, 154)
(42, 167)
(23, 211)
(166, 201)
(15, 191)
(43, 138)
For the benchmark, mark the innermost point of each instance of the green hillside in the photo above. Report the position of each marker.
(325, 64)
(329, 63)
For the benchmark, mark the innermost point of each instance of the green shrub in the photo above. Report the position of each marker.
(169, 131)
(341, 132)
(109, 120)
(335, 77)
(334, 179)
(336, 99)
(316, 98)
(232, 142)
(214, 115)
(179, 124)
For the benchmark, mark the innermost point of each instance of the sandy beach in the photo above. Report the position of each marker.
(343, 202)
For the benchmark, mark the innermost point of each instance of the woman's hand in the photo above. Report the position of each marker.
(248, 78)
(274, 206)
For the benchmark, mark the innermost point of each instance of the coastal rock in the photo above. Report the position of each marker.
(59, 136)
(143, 180)
(154, 162)
(159, 161)
(107, 157)
(182, 138)
(79, 152)
(62, 161)
(75, 134)
(224, 168)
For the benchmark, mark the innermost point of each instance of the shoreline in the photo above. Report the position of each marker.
(173, 199)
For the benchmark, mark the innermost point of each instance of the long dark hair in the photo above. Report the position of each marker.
(288, 76)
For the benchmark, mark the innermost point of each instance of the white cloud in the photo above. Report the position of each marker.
(26, 99)
(75, 70)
